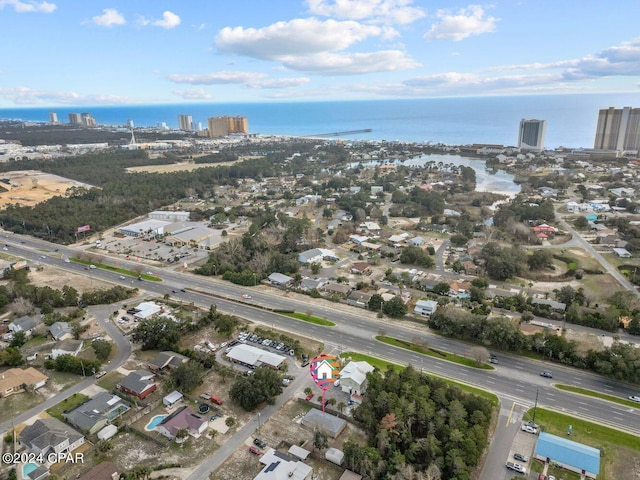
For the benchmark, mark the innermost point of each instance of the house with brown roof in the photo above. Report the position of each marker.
(166, 360)
(16, 380)
(360, 268)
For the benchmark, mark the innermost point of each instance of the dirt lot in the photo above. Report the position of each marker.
(282, 431)
(29, 187)
(179, 167)
(55, 278)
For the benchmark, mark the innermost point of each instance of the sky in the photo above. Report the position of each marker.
(127, 52)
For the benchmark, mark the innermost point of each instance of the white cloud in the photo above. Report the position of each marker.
(218, 78)
(351, 63)
(193, 94)
(169, 20)
(376, 11)
(249, 79)
(295, 37)
(109, 18)
(30, 96)
(463, 24)
(29, 6)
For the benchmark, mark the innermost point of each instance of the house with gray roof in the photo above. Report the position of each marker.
(308, 284)
(317, 419)
(61, 331)
(139, 384)
(98, 412)
(353, 377)
(25, 324)
(66, 347)
(425, 307)
(551, 303)
(50, 435)
(166, 360)
(280, 279)
(358, 298)
(338, 289)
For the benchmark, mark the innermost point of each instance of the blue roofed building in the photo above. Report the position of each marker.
(568, 454)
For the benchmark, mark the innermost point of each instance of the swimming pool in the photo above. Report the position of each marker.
(155, 421)
(27, 468)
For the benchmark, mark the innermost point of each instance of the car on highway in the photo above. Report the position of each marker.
(183, 290)
(43, 257)
(255, 450)
(635, 398)
(546, 375)
(66, 260)
(259, 443)
(121, 277)
(5, 248)
(246, 296)
(520, 457)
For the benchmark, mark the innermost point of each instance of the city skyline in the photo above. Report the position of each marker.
(124, 53)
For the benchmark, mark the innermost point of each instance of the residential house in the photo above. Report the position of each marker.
(317, 255)
(425, 307)
(398, 239)
(416, 241)
(25, 324)
(551, 303)
(338, 289)
(166, 360)
(182, 418)
(98, 412)
(358, 298)
(308, 284)
(280, 279)
(16, 380)
(50, 435)
(622, 252)
(61, 331)
(353, 377)
(358, 239)
(139, 384)
(428, 283)
(370, 226)
(279, 466)
(67, 347)
(360, 268)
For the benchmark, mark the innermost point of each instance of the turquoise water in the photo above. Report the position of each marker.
(155, 421)
(571, 119)
(27, 468)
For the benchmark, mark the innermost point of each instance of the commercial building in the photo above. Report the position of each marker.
(531, 135)
(574, 456)
(223, 126)
(53, 117)
(75, 119)
(618, 129)
(88, 120)
(254, 357)
(185, 123)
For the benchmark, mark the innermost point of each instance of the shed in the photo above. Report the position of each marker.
(107, 432)
(299, 452)
(171, 399)
(325, 421)
(568, 454)
(334, 455)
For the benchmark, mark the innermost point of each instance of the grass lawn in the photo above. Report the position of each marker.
(382, 365)
(601, 287)
(66, 405)
(110, 380)
(310, 318)
(14, 405)
(603, 396)
(616, 446)
(451, 357)
(62, 380)
(36, 341)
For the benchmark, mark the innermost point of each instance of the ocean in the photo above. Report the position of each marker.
(571, 119)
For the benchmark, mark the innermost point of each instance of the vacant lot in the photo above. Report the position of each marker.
(29, 187)
(179, 167)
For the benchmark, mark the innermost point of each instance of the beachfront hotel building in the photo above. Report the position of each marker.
(223, 126)
(531, 135)
(618, 129)
(185, 123)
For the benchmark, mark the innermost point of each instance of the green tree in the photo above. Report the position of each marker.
(187, 376)
(315, 268)
(19, 339)
(395, 307)
(581, 223)
(157, 334)
(11, 357)
(566, 295)
(320, 440)
(263, 386)
(375, 302)
(539, 259)
(441, 288)
(102, 349)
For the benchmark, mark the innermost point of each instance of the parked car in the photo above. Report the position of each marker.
(215, 400)
(101, 374)
(259, 443)
(546, 375)
(309, 397)
(520, 457)
(255, 450)
(529, 429)
(516, 467)
(634, 398)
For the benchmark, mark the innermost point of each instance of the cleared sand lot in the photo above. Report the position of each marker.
(30, 187)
